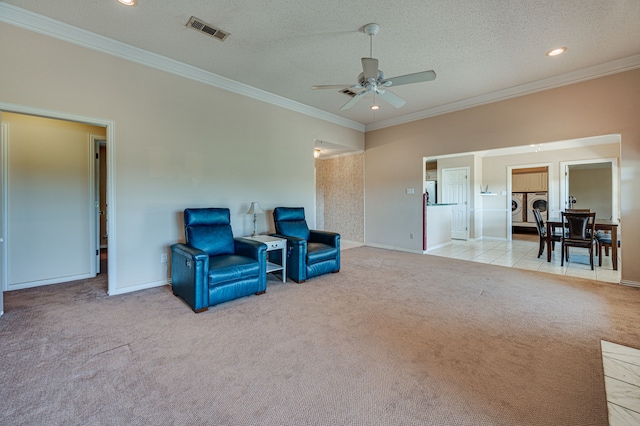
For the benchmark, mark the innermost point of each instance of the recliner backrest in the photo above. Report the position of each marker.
(209, 230)
(290, 221)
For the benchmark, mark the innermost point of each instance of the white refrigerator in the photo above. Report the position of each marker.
(430, 187)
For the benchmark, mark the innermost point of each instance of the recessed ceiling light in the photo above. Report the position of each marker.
(375, 107)
(129, 2)
(556, 52)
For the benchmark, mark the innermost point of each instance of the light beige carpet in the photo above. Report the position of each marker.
(393, 339)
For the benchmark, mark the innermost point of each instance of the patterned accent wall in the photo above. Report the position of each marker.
(340, 196)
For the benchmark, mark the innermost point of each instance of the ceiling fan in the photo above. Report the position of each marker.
(372, 80)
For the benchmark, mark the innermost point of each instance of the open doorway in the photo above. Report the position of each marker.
(36, 194)
(591, 184)
(529, 191)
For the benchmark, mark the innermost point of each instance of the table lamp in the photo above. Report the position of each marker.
(255, 210)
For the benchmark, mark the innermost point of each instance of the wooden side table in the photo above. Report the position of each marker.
(274, 243)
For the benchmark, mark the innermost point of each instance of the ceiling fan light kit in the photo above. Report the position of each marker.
(373, 80)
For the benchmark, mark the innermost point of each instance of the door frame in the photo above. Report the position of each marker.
(111, 210)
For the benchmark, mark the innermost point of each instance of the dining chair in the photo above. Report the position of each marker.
(580, 232)
(542, 233)
(603, 240)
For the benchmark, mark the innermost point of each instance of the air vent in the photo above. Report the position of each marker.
(348, 92)
(210, 30)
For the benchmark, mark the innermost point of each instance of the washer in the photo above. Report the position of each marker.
(517, 202)
(536, 200)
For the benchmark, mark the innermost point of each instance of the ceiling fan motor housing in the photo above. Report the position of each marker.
(371, 29)
(363, 82)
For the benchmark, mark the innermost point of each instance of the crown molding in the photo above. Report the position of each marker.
(50, 27)
(584, 74)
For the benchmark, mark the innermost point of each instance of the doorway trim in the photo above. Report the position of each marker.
(111, 206)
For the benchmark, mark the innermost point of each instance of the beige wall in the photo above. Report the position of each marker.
(340, 192)
(177, 143)
(592, 189)
(394, 155)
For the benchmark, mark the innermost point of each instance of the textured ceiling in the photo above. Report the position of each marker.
(477, 48)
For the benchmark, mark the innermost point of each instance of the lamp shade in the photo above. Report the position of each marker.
(255, 208)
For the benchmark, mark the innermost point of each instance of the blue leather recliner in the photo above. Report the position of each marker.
(310, 253)
(213, 267)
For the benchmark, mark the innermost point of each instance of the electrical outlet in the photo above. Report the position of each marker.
(163, 258)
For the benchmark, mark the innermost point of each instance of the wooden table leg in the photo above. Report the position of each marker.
(614, 247)
(549, 241)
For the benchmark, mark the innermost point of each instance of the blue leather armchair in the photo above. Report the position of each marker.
(310, 253)
(213, 267)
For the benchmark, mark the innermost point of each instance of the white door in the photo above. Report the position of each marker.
(455, 190)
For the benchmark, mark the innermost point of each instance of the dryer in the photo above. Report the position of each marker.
(517, 204)
(536, 200)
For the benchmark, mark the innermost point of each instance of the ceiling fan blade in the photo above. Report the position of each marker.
(418, 77)
(331, 86)
(370, 68)
(353, 100)
(392, 98)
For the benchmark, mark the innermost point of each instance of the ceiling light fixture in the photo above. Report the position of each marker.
(375, 107)
(556, 52)
(129, 2)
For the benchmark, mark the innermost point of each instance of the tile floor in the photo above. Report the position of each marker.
(622, 383)
(522, 252)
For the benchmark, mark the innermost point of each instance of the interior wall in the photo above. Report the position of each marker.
(49, 200)
(342, 189)
(592, 190)
(178, 143)
(605, 105)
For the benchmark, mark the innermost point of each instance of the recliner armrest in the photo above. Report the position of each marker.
(325, 237)
(189, 268)
(189, 251)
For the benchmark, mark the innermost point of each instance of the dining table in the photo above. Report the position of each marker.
(555, 221)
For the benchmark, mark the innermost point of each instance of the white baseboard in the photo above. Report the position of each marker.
(382, 246)
(133, 288)
(50, 281)
(630, 283)
(436, 247)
